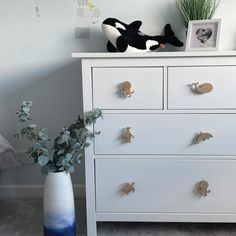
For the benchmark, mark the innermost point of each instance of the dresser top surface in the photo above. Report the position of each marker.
(101, 55)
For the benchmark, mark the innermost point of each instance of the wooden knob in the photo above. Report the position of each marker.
(201, 137)
(202, 188)
(202, 88)
(128, 188)
(126, 89)
(127, 135)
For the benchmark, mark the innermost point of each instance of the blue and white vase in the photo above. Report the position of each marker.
(59, 209)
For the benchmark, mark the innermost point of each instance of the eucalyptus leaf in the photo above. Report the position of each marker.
(51, 168)
(61, 151)
(69, 156)
(32, 126)
(65, 136)
(76, 145)
(86, 145)
(71, 169)
(73, 134)
(37, 145)
(27, 103)
(61, 168)
(64, 162)
(26, 109)
(60, 157)
(79, 156)
(43, 160)
(42, 135)
(45, 151)
(60, 141)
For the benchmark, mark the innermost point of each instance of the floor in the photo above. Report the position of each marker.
(23, 217)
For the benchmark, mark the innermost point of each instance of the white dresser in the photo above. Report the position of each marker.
(167, 148)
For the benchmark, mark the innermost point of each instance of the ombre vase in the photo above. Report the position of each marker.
(58, 204)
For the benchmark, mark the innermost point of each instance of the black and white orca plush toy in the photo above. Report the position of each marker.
(128, 38)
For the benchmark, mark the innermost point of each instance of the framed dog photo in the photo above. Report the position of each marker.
(203, 35)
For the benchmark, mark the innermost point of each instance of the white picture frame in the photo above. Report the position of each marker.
(203, 35)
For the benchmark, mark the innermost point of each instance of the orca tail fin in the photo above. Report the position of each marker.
(171, 38)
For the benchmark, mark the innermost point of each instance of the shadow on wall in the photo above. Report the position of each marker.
(57, 98)
(96, 41)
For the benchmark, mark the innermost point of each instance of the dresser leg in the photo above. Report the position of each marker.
(91, 228)
(91, 218)
(90, 194)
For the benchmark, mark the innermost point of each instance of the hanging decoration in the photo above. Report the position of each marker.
(87, 14)
(36, 9)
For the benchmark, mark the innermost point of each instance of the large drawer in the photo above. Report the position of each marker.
(167, 134)
(146, 91)
(182, 94)
(165, 186)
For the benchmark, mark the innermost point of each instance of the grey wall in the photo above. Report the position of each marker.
(36, 63)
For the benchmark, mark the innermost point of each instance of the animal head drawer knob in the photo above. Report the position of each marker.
(126, 89)
(201, 137)
(128, 188)
(202, 188)
(127, 135)
(202, 88)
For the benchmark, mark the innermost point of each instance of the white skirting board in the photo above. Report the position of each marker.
(33, 191)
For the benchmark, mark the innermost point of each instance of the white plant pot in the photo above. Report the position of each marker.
(58, 204)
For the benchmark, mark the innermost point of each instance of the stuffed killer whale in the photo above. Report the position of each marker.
(128, 38)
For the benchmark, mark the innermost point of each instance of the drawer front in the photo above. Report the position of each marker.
(183, 95)
(144, 89)
(167, 134)
(163, 186)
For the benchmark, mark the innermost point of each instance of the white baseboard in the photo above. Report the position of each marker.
(33, 191)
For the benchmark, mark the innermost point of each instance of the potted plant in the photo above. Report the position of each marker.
(197, 9)
(57, 162)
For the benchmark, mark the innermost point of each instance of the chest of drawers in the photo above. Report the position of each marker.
(167, 148)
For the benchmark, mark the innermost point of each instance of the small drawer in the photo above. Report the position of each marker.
(206, 87)
(167, 134)
(165, 186)
(128, 88)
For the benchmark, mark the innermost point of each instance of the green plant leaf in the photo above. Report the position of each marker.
(71, 169)
(42, 135)
(44, 151)
(32, 126)
(48, 168)
(26, 109)
(38, 145)
(79, 156)
(76, 146)
(65, 145)
(69, 156)
(43, 160)
(197, 9)
(61, 151)
(28, 103)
